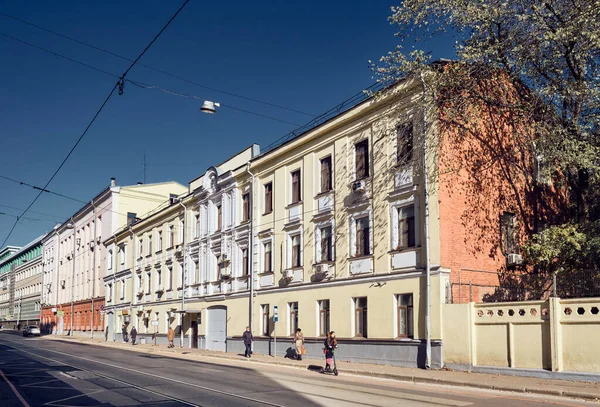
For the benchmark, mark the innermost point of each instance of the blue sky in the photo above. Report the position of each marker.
(307, 56)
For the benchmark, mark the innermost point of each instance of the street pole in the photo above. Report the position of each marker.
(73, 280)
(94, 269)
(183, 273)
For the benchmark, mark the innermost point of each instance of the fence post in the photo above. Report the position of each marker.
(555, 334)
(472, 334)
(511, 345)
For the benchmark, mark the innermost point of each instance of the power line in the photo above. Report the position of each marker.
(155, 69)
(25, 218)
(41, 189)
(142, 85)
(118, 84)
(37, 213)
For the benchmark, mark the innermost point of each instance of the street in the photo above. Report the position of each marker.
(37, 372)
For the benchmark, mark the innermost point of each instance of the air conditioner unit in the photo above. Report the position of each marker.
(358, 186)
(288, 274)
(514, 259)
(322, 268)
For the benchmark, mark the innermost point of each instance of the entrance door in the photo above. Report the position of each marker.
(61, 325)
(194, 343)
(216, 330)
(110, 327)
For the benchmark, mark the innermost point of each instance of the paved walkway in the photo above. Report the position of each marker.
(519, 384)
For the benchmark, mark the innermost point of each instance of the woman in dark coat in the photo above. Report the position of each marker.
(330, 345)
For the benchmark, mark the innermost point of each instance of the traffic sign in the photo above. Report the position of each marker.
(275, 318)
(60, 314)
(154, 322)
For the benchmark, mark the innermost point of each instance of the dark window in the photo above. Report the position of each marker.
(265, 319)
(246, 207)
(406, 227)
(244, 262)
(510, 233)
(267, 260)
(360, 315)
(405, 315)
(131, 217)
(268, 198)
(296, 252)
(363, 237)
(326, 244)
(326, 174)
(296, 186)
(362, 159)
(404, 143)
(323, 317)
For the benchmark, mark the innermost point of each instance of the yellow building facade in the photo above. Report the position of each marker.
(329, 228)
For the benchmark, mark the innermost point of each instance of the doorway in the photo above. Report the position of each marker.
(216, 329)
(194, 339)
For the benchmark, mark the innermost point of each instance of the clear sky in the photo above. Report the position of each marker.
(307, 56)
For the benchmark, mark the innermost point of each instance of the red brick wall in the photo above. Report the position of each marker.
(82, 320)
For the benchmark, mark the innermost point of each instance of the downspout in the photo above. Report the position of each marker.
(183, 274)
(251, 248)
(57, 242)
(426, 240)
(132, 272)
(94, 268)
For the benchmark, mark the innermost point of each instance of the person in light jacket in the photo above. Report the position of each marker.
(299, 342)
(171, 337)
(248, 339)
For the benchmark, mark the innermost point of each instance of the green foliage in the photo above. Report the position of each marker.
(550, 248)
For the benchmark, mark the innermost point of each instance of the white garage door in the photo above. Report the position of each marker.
(216, 330)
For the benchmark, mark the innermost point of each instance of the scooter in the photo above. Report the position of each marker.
(329, 370)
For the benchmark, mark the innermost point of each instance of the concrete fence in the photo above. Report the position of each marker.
(558, 335)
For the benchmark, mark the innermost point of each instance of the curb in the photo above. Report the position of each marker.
(390, 376)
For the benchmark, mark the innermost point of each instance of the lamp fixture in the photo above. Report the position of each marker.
(209, 107)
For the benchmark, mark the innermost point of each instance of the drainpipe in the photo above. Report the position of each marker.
(94, 268)
(251, 248)
(73, 279)
(132, 273)
(426, 243)
(57, 269)
(183, 273)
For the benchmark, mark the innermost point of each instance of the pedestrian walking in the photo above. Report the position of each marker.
(171, 337)
(133, 335)
(124, 333)
(330, 346)
(248, 339)
(299, 342)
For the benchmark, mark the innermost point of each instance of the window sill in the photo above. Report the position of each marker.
(295, 268)
(158, 251)
(366, 256)
(148, 256)
(244, 222)
(325, 193)
(265, 273)
(294, 204)
(403, 250)
(330, 262)
(267, 213)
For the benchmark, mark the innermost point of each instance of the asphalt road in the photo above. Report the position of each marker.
(38, 372)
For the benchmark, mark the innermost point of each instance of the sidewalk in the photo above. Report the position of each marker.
(518, 384)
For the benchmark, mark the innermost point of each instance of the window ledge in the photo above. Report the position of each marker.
(148, 256)
(265, 273)
(294, 204)
(322, 194)
(330, 262)
(158, 251)
(404, 250)
(268, 213)
(244, 222)
(295, 268)
(367, 256)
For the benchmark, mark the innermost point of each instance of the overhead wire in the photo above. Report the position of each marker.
(116, 85)
(155, 69)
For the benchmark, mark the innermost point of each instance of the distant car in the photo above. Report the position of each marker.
(31, 330)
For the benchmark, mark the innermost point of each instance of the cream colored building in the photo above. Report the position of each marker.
(331, 227)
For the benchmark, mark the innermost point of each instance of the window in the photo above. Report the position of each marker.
(326, 174)
(122, 289)
(141, 247)
(109, 260)
(406, 227)
(140, 285)
(244, 262)
(323, 317)
(171, 236)
(149, 245)
(197, 224)
(219, 217)
(110, 293)
(293, 308)
(265, 319)
(296, 251)
(510, 233)
(404, 143)
(268, 260)
(360, 317)
(160, 242)
(148, 283)
(268, 198)
(362, 159)
(169, 278)
(296, 187)
(363, 237)
(405, 315)
(122, 254)
(326, 244)
(131, 218)
(245, 207)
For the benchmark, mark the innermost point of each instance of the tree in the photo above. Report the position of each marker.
(550, 52)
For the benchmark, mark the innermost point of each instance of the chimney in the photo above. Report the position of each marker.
(112, 182)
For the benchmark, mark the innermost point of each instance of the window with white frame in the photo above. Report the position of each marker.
(245, 262)
(295, 250)
(149, 245)
(265, 319)
(169, 278)
(360, 317)
(362, 236)
(404, 304)
(326, 175)
(293, 319)
(404, 143)
(122, 255)
(406, 227)
(267, 256)
(324, 243)
(148, 282)
(196, 224)
(109, 259)
(171, 236)
(296, 187)
(140, 247)
(122, 293)
(159, 241)
(268, 198)
(323, 309)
